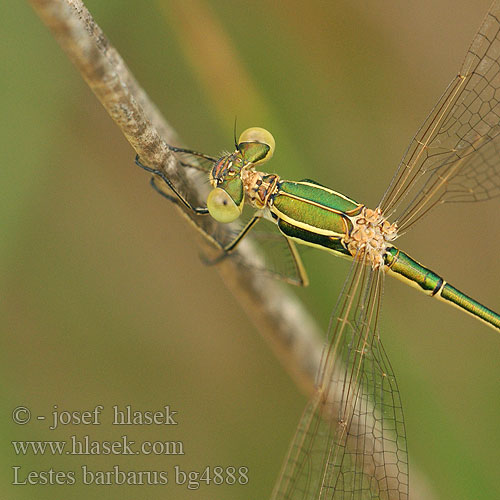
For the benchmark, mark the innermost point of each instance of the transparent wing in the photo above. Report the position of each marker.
(266, 251)
(454, 155)
(350, 443)
(271, 253)
(193, 159)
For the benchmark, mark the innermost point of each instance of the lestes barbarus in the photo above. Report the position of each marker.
(342, 450)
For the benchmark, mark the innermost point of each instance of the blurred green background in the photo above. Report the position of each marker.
(104, 299)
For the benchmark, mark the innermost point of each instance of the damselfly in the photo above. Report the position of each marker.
(350, 442)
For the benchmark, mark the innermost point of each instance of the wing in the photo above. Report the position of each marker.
(454, 155)
(350, 443)
(193, 159)
(270, 252)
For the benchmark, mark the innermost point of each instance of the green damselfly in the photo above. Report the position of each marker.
(350, 442)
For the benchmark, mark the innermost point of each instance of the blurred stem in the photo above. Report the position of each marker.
(281, 318)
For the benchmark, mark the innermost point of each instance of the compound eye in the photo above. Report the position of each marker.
(261, 136)
(222, 207)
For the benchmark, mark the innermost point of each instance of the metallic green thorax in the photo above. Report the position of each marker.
(313, 214)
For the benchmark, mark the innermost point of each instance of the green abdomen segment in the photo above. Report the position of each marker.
(432, 284)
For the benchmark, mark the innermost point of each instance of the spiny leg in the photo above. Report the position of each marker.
(173, 199)
(178, 201)
(180, 198)
(227, 249)
(301, 279)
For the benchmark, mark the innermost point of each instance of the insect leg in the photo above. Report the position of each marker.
(226, 250)
(180, 199)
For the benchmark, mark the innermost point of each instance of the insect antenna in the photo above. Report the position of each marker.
(234, 134)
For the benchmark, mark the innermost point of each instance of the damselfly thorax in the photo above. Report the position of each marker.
(304, 210)
(363, 233)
